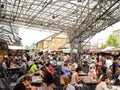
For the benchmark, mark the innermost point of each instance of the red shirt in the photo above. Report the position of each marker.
(51, 69)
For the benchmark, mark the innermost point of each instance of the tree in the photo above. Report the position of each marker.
(111, 41)
(27, 47)
(103, 46)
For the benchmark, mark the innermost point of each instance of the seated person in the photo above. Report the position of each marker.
(117, 76)
(103, 83)
(65, 69)
(75, 76)
(48, 79)
(26, 82)
(92, 72)
(23, 67)
(73, 67)
(33, 68)
(99, 74)
(64, 79)
(85, 67)
(29, 73)
(50, 68)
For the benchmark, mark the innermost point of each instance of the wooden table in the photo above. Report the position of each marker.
(87, 80)
(14, 69)
(37, 73)
(91, 84)
(83, 74)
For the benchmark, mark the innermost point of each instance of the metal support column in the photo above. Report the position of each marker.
(71, 51)
(79, 54)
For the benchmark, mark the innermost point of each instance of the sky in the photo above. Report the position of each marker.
(33, 36)
(29, 36)
(102, 36)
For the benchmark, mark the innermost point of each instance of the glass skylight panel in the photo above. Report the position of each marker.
(92, 4)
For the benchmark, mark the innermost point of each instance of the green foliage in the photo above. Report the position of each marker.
(27, 47)
(111, 41)
(103, 46)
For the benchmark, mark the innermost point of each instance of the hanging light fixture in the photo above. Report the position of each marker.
(53, 17)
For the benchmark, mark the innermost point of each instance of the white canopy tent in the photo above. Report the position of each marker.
(107, 48)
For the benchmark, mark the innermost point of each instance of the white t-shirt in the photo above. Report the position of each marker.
(109, 63)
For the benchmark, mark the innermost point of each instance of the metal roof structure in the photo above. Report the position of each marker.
(81, 19)
(9, 36)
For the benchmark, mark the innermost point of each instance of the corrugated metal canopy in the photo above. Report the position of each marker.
(79, 18)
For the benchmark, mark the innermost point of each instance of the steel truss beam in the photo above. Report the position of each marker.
(79, 19)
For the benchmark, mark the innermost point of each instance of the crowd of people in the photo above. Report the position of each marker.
(61, 71)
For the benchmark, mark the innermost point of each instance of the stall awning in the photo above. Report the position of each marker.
(16, 47)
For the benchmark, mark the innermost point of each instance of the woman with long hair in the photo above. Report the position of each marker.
(65, 81)
(47, 77)
(103, 83)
